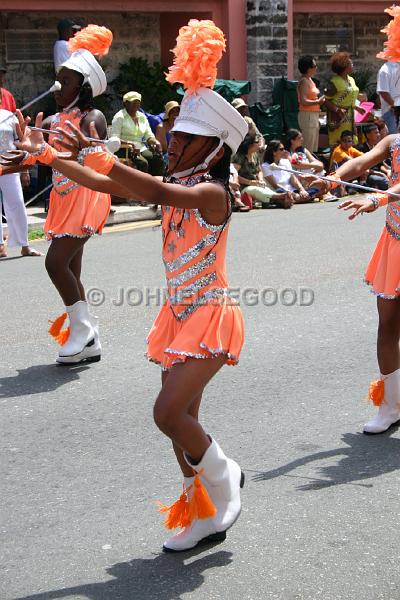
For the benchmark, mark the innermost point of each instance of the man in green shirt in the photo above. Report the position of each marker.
(132, 127)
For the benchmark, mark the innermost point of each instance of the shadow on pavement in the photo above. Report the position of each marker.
(39, 379)
(364, 457)
(165, 577)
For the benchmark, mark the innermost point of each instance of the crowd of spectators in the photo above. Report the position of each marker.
(262, 174)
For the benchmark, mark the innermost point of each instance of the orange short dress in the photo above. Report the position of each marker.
(383, 271)
(74, 211)
(199, 319)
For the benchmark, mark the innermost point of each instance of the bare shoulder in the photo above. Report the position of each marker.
(99, 120)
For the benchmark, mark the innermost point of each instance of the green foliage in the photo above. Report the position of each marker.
(35, 234)
(365, 78)
(149, 80)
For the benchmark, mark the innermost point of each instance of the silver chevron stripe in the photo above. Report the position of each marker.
(393, 223)
(201, 301)
(193, 288)
(392, 232)
(192, 271)
(191, 253)
(394, 206)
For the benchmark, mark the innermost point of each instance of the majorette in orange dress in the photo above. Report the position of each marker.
(383, 271)
(74, 210)
(198, 319)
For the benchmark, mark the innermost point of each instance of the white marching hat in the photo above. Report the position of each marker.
(207, 113)
(85, 63)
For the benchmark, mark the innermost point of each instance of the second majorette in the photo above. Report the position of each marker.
(75, 212)
(200, 328)
(383, 271)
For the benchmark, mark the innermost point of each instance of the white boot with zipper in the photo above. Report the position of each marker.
(81, 344)
(389, 410)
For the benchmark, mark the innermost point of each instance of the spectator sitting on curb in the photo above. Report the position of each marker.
(132, 127)
(246, 162)
(243, 109)
(282, 181)
(234, 186)
(302, 160)
(342, 153)
(380, 174)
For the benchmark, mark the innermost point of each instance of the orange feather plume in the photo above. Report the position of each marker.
(199, 47)
(392, 30)
(94, 38)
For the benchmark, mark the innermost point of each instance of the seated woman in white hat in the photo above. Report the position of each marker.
(131, 126)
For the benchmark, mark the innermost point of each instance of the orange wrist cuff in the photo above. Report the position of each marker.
(47, 155)
(28, 161)
(383, 199)
(101, 161)
(333, 184)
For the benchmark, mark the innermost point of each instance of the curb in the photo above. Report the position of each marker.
(123, 214)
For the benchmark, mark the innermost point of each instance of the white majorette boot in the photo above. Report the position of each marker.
(388, 400)
(224, 480)
(200, 530)
(80, 344)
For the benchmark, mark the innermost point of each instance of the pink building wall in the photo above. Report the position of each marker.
(230, 15)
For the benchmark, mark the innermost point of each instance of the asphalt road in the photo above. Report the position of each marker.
(83, 464)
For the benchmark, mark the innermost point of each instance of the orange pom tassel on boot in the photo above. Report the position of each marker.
(199, 530)
(385, 393)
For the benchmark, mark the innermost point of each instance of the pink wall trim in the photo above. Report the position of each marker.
(341, 6)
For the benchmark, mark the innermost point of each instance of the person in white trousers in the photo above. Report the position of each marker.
(11, 197)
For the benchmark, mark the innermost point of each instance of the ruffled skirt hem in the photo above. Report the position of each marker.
(212, 331)
(383, 271)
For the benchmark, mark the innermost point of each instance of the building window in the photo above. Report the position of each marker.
(29, 45)
(324, 42)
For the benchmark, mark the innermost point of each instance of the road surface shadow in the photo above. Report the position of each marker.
(165, 577)
(39, 379)
(364, 457)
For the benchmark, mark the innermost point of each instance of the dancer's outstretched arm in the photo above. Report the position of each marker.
(209, 197)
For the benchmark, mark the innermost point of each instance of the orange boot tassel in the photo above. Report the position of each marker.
(376, 392)
(186, 510)
(60, 335)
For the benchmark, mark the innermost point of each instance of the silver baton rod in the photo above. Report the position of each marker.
(357, 186)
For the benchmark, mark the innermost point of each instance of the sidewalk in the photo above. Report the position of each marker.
(124, 213)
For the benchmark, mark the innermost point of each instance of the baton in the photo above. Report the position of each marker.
(55, 87)
(113, 144)
(357, 186)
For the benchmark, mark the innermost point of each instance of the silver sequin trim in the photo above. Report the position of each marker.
(63, 193)
(184, 353)
(384, 296)
(210, 295)
(192, 271)
(391, 231)
(193, 252)
(215, 352)
(393, 206)
(204, 223)
(193, 288)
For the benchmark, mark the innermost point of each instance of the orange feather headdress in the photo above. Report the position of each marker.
(392, 30)
(94, 38)
(199, 47)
